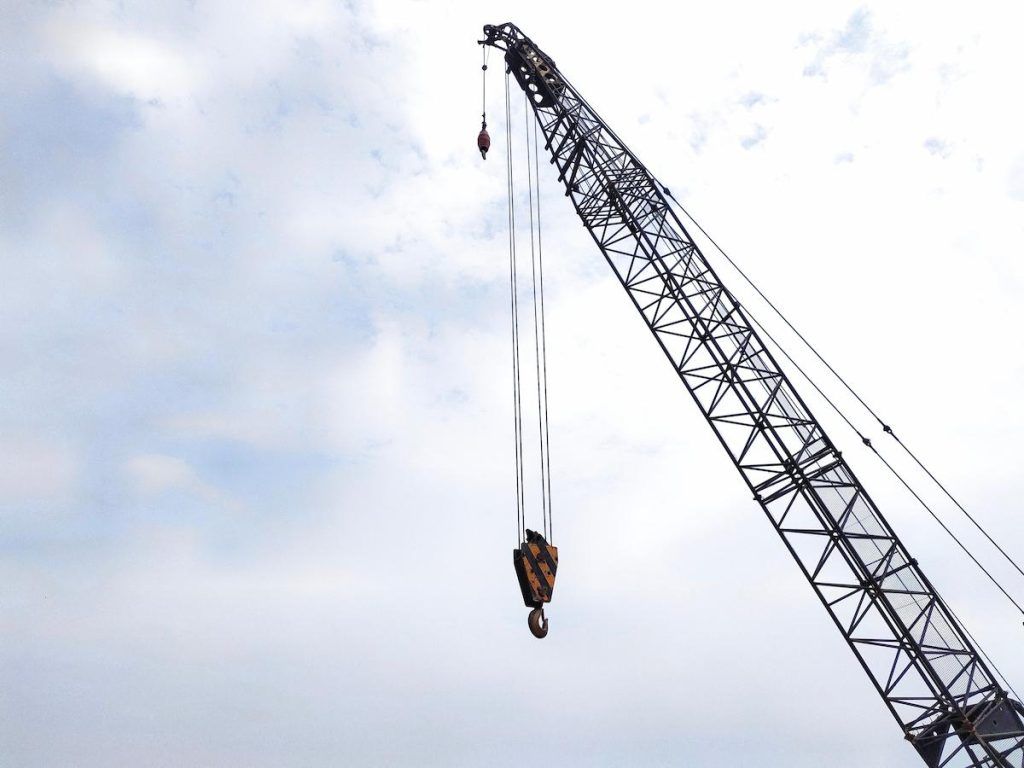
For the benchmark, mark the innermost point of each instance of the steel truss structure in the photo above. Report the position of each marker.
(922, 662)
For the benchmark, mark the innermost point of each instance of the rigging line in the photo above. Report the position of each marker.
(793, 409)
(511, 263)
(536, 321)
(832, 404)
(516, 387)
(952, 498)
(881, 458)
(843, 416)
(867, 442)
(483, 110)
(517, 335)
(885, 427)
(947, 530)
(543, 331)
(828, 400)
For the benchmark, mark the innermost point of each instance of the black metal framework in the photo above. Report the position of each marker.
(923, 663)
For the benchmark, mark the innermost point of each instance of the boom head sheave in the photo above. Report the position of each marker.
(533, 69)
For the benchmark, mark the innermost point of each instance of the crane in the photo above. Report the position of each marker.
(923, 663)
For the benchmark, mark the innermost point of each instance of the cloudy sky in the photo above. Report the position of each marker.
(256, 500)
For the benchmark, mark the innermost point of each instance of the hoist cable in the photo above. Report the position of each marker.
(536, 325)
(947, 530)
(483, 68)
(782, 350)
(881, 458)
(543, 333)
(952, 498)
(513, 291)
(874, 450)
(867, 442)
(885, 427)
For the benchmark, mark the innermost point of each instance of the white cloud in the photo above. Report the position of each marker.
(154, 474)
(129, 64)
(36, 469)
(160, 473)
(1016, 180)
(755, 138)
(858, 40)
(938, 147)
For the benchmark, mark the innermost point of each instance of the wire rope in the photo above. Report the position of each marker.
(867, 442)
(885, 427)
(543, 333)
(536, 325)
(513, 291)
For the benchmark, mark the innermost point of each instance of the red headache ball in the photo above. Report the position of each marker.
(483, 142)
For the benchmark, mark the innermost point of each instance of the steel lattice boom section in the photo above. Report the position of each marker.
(921, 661)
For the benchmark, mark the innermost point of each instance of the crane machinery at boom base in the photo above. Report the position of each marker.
(929, 672)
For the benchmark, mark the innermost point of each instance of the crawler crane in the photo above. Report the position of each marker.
(925, 666)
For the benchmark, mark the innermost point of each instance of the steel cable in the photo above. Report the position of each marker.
(543, 334)
(513, 290)
(847, 420)
(885, 427)
(536, 327)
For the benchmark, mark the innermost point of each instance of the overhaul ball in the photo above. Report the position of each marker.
(483, 141)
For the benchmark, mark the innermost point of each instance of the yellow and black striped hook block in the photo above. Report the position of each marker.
(536, 564)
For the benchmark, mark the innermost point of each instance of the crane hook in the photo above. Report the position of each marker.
(538, 623)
